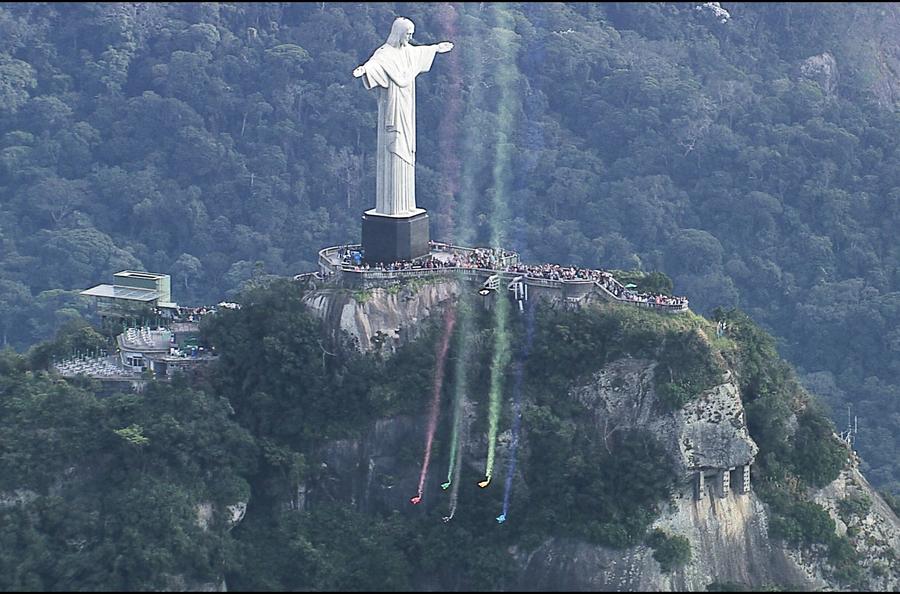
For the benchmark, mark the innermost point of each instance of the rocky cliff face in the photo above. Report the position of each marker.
(882, 36)
(707, 434)
(871, 526)
(871, 52)
(728, 532)
(822, 69)
(726, 527)
(389, 316)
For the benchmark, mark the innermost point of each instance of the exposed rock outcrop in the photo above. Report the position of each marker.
(824, 70)
(17, 497)
(728, 535)
(233, 514)
(869, 55)
(727, 529)
(872, 527)
(879, 35)
(391, 314)
(374, 474)
(729, 543)
(708, 433)
(178, 583)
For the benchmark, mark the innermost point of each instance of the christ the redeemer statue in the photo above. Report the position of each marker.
(392, 72)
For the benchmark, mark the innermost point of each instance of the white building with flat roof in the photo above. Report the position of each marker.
(132, 293)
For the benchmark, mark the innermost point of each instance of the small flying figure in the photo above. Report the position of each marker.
(485, 482)
(445, 486)
(501, 518)
(415, 500)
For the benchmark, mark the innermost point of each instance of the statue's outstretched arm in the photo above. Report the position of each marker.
(359, 71)
(444, 46)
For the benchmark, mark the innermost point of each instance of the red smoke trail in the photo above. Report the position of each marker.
(448, 143)
(444, 225)
(449, 321)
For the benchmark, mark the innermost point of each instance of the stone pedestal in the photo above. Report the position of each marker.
(391, 238)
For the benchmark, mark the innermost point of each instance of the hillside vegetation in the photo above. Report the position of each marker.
(223, 142)
(108, 492)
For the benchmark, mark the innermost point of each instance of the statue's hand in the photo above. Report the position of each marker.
(360, 70)
(444, 46)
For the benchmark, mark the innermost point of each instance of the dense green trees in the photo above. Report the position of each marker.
(132, 490)
(201, 141)
(224, 142)
(670, 551)
(106, 491)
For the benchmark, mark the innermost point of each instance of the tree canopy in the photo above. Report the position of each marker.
(222, 142)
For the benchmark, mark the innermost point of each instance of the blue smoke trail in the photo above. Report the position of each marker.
(517, 409)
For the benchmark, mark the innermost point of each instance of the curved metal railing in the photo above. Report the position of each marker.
(620, 294)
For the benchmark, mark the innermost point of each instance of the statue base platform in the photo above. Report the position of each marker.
(387, 238)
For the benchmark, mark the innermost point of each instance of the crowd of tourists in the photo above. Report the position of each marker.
(494, 260)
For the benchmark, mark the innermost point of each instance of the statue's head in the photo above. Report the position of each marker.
(401, 32)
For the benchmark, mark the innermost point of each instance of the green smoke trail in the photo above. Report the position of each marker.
(463, 348)
(454, 440)
(454, 493)
(505, 77)
(468, 71)
(459, 172)
(503, 38)
(472, 149)
(499, 362)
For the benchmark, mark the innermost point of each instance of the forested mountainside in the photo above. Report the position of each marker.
(751, 157)
(290, 463)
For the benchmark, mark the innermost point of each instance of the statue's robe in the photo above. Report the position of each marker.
(392, 71)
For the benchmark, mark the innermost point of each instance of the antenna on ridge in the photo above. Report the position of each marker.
(849, 436)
